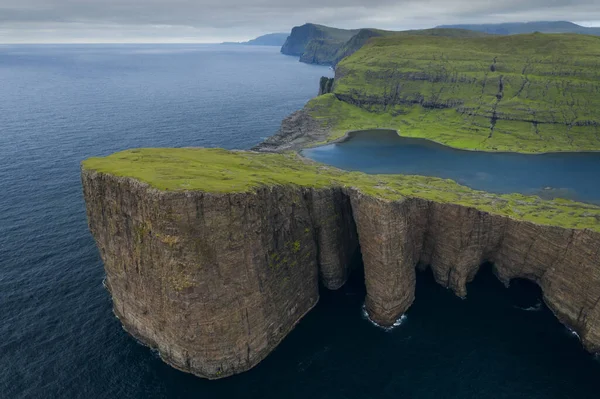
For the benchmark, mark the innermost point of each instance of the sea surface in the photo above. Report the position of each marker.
(555, 175)
(58, 335)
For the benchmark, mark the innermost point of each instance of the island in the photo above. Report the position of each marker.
(212, 257)
(270, 39)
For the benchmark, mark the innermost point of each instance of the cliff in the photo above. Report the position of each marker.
(301, 40)
(524, 93)
(212, 256)
(325, 85)
(323, 45)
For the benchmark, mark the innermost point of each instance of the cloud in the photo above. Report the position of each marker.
(204, 20)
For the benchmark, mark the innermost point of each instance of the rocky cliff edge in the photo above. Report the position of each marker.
(212, 257)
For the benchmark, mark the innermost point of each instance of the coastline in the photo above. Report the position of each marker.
(350, 133)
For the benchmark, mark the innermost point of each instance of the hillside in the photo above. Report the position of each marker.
(527, 27)
(309, 40)
(317, 44)
(271, 39)
(190, 236)
(524, 93)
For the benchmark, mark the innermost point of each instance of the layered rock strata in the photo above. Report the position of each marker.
(215, 281)
(297, 131)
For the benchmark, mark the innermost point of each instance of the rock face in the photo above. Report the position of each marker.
(296, 132)
(325, 85)
(310, 40)
(216, 281)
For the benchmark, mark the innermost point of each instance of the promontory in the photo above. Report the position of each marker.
(213, 256)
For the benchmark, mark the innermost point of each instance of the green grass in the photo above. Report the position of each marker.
(332, 46)
(524, 93)
(221, 171)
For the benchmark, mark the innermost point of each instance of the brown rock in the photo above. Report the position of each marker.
(215, 282)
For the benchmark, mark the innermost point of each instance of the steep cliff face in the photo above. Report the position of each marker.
(455, 240)
(323, 45)
(216, 281)
(325, 85)
(300, 37)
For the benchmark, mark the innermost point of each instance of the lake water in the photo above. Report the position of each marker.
(562, 175)
(58, 336)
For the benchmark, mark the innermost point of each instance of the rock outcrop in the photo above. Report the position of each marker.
(215, 281)
(297, 131)
(316, 44)
(325, 85)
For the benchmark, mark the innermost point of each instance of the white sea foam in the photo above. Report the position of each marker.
(537, 307)
(397, 323)
(574, 333)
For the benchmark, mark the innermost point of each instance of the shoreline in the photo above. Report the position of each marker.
(349, 135)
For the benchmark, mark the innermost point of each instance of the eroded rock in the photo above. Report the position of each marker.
(216, 281)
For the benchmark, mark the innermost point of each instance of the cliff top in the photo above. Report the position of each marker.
(222, 171)
(319, 44)
(524, 93)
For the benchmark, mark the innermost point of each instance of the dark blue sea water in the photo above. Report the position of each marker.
(562, 175)
(58, 336)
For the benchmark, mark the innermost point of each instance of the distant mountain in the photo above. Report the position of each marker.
(527, 27)
(324, 45)
(318, 44)
(271, 39)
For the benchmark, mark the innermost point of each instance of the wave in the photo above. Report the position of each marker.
(397, 323)
(535, 308)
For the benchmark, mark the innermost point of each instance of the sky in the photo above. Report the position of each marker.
(212, 21)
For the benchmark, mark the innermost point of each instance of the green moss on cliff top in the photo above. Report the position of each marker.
(221, 171)
(526, 93)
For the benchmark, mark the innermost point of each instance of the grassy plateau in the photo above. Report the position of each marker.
(527, 93)
(222, 171)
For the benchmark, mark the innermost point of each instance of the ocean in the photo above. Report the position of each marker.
(58, 335)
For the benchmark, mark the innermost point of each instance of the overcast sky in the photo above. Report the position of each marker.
(183, 21)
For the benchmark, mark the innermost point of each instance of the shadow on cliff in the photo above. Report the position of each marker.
(499, 341)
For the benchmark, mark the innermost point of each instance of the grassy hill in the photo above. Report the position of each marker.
(323, 45)
(527, 27)
(221, 171)
(315, 43)
(525, 93)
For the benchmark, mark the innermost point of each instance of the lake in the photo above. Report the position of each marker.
(556, 175)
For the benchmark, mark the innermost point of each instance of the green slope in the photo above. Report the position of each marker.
(221, 171)
(524, 93)
(323, 45)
